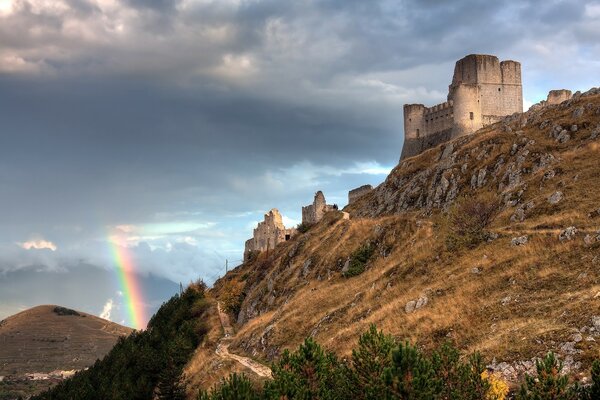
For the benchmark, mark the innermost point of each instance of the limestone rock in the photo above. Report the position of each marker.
(578, 112)
(518, 216)
(555, 197)
(414, 305)
(306, 267)
(563, 136)
(596, 322)
(346, 266)
(567, 234)
(519, 240)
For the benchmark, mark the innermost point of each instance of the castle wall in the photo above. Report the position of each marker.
(467, 109)
(413, 120)
(438, 118)
(354, 194)
(483, 91)
(558, 96)
(314, 212)
(268, 233)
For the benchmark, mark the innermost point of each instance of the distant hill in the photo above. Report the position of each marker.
(50, 338)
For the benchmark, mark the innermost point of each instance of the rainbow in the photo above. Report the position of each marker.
(132, 294)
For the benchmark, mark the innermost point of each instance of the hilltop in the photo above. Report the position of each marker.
(525, 284)
(52, 339)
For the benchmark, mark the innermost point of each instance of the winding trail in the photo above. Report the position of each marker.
(223, 348)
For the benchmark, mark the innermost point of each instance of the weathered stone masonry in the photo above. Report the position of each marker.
(314, 212)
(271, 231)
(268, 234)
(354, 194)
(483, 90)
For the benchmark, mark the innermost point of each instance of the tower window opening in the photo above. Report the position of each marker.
(498, 89)
(471, 115)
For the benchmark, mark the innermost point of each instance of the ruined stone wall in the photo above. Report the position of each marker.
(314, 212)
(558, 96)
(268, 233)
(354, 194)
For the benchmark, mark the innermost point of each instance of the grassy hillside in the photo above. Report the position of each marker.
(51, 338)
(412, 260)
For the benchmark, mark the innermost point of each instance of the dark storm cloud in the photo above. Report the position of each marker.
(176, 124)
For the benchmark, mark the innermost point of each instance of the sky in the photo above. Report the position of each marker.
(165, 129)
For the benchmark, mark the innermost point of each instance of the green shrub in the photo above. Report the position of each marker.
(549, 384)
(369, 362)
(236, 387)
(359, 259)
(308, 373)
(303, 227)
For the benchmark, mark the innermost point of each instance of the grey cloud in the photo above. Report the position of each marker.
(151, 112)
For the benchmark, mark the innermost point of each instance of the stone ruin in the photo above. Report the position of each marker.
(271, 231)
(556, 97)
(268, 234)
(354, 194)
(314, 212)
(482, 92)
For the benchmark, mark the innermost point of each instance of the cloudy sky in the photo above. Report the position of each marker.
(166, 128)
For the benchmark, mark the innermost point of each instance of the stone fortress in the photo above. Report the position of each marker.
(483, 91)
(271, 231)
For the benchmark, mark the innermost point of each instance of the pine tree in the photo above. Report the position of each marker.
(549, 384)
(308, 373)
(369, 361)
(411, 376)
(236, 387)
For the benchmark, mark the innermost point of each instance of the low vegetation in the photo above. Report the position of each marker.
(303, 227)
(358, 260)
(145, 364)
(381, 368)
(468, 219)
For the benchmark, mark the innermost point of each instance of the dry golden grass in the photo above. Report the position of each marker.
(526, 300)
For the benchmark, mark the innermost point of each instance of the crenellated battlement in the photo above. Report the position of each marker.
(483, 90)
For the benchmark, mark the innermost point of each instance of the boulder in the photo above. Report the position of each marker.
(414, 305)
(567, 234)
(555, 197)
(519, 240)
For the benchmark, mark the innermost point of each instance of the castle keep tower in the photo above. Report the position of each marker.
(483, 91)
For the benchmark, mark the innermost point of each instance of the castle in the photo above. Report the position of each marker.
(313, 213)
(483, 91)
(268, 234)
(271, 231)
